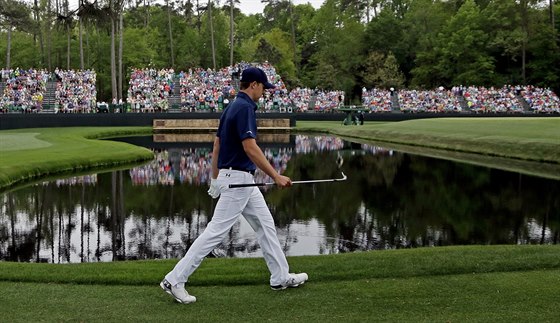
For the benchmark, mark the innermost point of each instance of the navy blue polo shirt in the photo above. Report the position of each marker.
(237, 123)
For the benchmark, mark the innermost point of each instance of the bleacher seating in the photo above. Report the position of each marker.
(206, 90)
(491, 100)
(439, 100)
(541, 100)
(377, 100)
(23, 89)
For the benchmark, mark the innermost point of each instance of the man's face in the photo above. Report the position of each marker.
(258, 90)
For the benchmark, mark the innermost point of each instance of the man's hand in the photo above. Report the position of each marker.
(214, 189)
(283, 181)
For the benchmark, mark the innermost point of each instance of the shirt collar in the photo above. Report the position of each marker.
(244, 96)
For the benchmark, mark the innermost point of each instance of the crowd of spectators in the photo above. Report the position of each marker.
(206, 89)
(149, 89)
(24, 89)
(377, 100)
(152, 90)
(541, 100)
(300, 98)
(484, 100)
(327, 101)
(75, 91)
(439, 100)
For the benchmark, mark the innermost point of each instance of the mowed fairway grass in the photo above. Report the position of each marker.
(29, 154)
(444, 284)
(534, 139)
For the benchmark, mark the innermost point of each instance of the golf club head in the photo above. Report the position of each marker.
(339, 160)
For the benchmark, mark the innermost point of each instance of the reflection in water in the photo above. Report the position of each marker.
(391, 200)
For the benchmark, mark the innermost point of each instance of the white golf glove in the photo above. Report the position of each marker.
(214, 189)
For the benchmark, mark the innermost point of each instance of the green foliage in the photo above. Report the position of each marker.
(73, 151)
(434, 42)
(461, 45)
(139, 53)
(16, 14)
(23, 52)
(382, 71)
(479, 283)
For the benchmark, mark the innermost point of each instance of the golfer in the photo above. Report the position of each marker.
(236, 155)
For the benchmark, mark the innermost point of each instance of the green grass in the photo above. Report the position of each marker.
(31, 154)
(533, 139)
(476, 283)
(526, 145)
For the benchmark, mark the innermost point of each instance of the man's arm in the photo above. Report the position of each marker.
(256, 155)
(215, 153)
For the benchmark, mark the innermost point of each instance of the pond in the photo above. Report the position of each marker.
(390, 200)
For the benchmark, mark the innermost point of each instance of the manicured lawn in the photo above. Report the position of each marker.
(478, 283)
(534, 139)
(525, 145)
(28, 154)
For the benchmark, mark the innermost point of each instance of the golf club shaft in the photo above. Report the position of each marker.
(294, 182)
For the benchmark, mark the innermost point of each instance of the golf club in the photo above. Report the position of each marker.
(313, 181)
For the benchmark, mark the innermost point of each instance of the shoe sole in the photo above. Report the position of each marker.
(172, 295)
(280, 287)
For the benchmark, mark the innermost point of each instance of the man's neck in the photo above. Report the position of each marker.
(250, 94)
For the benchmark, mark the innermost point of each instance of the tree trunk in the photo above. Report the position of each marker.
(121, 35)
(525, 29)
(68, 38)
(230, 32)
(170, 33)
(551, 12)
(81, 41)
(87, 45)
(36, 18)
(147, 15)
(212, 34)
(294, 37)
(40, 33)
(367, 11)
(113, 62)
(49, 42)
(9, 47)
(81, 45)
(68, 47)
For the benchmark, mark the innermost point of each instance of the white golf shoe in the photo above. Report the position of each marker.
(294, 281)
(178, 292)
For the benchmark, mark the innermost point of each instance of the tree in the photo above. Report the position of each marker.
(392, 75)
(231, 29)
(170, 32)
(505, 37)
(14, 14)
(388, 33)
(382, 71)
(462, 50)
(372, 76)
(340, 47)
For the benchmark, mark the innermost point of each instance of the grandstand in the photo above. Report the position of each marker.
(205, 90)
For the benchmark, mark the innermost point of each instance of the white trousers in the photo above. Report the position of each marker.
(233, 202)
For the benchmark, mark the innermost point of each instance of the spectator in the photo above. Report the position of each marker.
(75, 91)
(24, 89)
